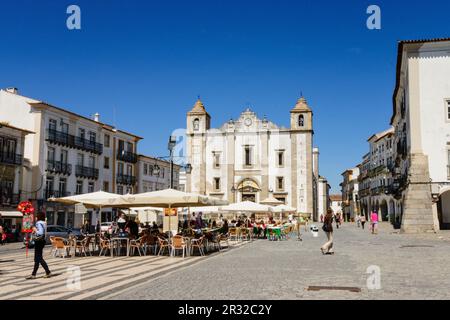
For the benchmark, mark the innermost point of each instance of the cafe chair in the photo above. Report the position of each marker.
(138, 244)
(163, 244)
(178, 243)
(198, 243)
(105, 245)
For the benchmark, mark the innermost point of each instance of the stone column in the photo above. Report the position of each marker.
(417, 208)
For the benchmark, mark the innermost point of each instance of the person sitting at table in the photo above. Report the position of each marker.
(224, 229)
(121, 223)
(262, 228)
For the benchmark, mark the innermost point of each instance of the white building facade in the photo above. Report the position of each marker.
(154, 174)
(421, 119)
(248, 158)
(13, 170)
(71, 154)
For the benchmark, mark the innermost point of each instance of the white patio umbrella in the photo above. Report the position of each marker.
(271, 201)
(98, 200)
(169, 198)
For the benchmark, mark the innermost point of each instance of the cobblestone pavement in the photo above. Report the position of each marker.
(99, 276)
(412, 267)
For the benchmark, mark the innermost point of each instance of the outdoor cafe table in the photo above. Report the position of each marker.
(276, 230)
(119, 241)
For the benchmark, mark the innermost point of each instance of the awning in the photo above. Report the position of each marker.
(11, 214)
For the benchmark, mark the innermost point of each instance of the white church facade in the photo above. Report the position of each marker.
(251, 158)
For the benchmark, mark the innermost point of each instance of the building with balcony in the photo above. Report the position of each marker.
(71, 154)
(13, 170)
(421, 118)
(376, 179)
(154, 174)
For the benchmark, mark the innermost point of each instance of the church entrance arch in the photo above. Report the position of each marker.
(248, 188)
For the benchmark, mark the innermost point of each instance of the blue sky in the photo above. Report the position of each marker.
(148, 61)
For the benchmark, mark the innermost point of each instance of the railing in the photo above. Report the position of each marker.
(11, 158)
(69, 140)
(378, 190)
(59, 167)
(86, 172)
(126, 179)
(8, 198)
(364, 192)
(56, 194)
(127, 156)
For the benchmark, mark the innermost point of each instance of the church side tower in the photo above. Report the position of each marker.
(198, 122)
(301, 157)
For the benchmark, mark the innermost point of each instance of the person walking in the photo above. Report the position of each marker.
(338, 220)
(374, 221)
(363, 221)
(39, 232)
(358, 220)
(327, 227)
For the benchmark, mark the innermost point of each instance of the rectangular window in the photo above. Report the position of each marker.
(92, 136)
(51, 154)
(217, 184)
(107, 141)
(248, 160)
(64, 156)
(49, 187)
(52, 124)
(119, 189)
(280, 183)
(80, 159)
(106, 186)
(129, 147)
(145, 169)
(280, 158)
(81, 133)
(90, 187)
(91, 162)
(448, 109)
(62, 187)
(129, 170)
(216, 160)
(120, 168)
(121, 145)
(65, 127)
(79, 189)
(106, 163)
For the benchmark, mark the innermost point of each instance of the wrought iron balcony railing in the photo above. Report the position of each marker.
(71, 141)
(11, 158)
(86, 172)
(127, 156)
(55, 194)
(126, 179)
(9, 199)
(59, 167)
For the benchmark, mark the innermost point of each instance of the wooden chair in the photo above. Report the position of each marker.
(60, 244)
(54, 249)
(233, 234)
(198, 243)
(244, 234)
(178, 243)
(105, 245)
(151, 242)
(223, 238)
(138, 244)
(163, 244)
(82, 245)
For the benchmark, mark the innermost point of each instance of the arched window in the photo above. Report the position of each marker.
(196, 124)
(301, 121)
